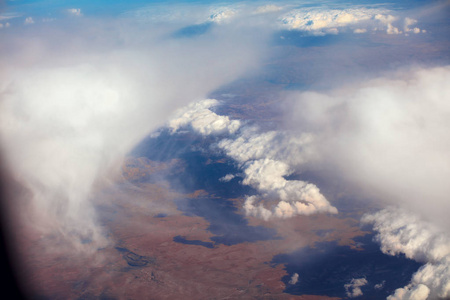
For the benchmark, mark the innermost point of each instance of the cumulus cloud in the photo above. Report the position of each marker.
(227, 178)
(419, 292)
(403, 232)
(222, 14)
(407, 26)
(295, 197)
(353, 289)
(202, 119)
(28, 21)
(320, 21)
(75, 11)
(387, 20)
(294, 279)
(265, 158)
(72, 107)
(379, 286)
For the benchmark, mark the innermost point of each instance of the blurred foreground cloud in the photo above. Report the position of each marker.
(76, 99)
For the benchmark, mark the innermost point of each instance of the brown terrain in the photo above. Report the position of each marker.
(144, 262)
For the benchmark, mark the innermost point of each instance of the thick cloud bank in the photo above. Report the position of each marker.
(74, 100)
(401, 232)
(389, 136)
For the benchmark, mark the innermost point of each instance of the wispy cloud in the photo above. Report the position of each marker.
(353, 289)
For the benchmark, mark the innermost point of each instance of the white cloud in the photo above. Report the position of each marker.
(29, 21)
(68, 116)
(266, 158)
(222, 14)
(6, 25)
(202, 119)
(389, 138)
(295, 197)
(251, 144)
(269, 8)
(387, 20)
(353, 289)
(8, 16)
(380, 133)
(418, 292)
(227, 178)
(75, 12)
(320, 21)
(379, 286)
(317, 20)
(408, 23)
(400, 231)
(294, 279)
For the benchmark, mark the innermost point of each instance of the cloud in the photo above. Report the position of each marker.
(353, 289)
(388, 138)
(419, 292)
(269, 8)
(295, 197)
(8, 16)
(403, 232)
(265, 158)
(202, 119)
(379, 286)
(75, 12)
(320, 21)
(360, 30)
(73, 106)
(222, 14)
(387, 20)
(227, 178)
(409, 22)
(28, 21)
(294, 279)
(380, 133)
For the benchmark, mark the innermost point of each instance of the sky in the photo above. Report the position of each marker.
(359, 92)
